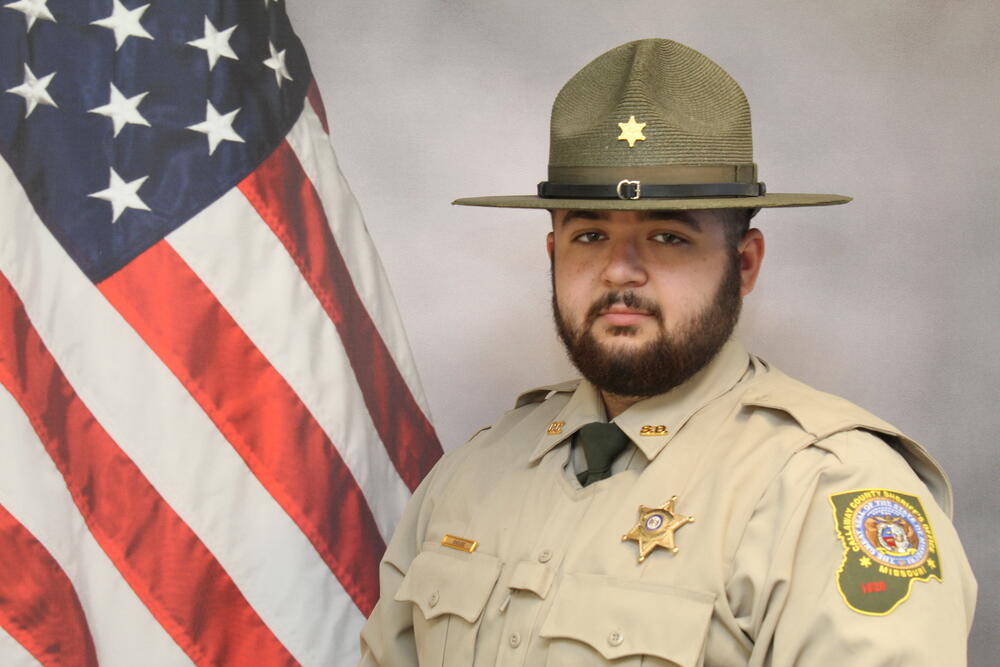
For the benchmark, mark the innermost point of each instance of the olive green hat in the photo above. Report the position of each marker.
(650, 125)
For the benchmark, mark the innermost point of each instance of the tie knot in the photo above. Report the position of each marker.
(601, 443)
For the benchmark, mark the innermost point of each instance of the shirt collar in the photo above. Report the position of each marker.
(652, 422)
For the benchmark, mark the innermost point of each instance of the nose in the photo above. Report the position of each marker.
(624, 267)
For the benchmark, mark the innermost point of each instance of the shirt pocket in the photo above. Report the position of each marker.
(448, 592)
(595, 619)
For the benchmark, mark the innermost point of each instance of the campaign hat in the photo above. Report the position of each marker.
(652, 125)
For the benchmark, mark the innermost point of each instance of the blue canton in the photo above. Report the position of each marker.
(123, 119)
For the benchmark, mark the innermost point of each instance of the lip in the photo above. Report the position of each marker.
(623, 317)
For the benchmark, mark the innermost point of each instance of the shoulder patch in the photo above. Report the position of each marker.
(888, 544)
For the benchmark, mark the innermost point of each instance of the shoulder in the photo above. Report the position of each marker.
(516, 429)
(837, 431)
(543, 393)
(817, 412)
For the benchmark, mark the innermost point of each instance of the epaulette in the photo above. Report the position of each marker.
(817, 412)
(539, 394)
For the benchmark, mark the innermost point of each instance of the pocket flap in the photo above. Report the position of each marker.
(618, 618)
(442, 583)
(531, 576)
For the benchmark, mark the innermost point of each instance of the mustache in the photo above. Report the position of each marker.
(627, 298)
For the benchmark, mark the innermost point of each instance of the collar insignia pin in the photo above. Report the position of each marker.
(555, 428)
(631, 131)
(650, 430)
(656, 528)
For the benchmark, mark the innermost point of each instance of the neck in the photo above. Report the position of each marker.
(615, 404)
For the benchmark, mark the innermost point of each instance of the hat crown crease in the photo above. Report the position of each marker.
(695, 113)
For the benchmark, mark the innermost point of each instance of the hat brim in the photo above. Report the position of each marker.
(770, 200)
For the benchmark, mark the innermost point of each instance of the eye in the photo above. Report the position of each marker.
(589, 237)
(667, 238)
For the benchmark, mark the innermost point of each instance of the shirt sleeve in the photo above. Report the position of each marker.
(387, 637)
(847, 559)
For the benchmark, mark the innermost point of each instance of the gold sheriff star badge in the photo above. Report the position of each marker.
(656, 528)
(631, 131)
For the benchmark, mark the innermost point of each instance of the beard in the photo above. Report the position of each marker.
(663, 363)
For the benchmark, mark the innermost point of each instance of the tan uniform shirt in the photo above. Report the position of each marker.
(788, 487)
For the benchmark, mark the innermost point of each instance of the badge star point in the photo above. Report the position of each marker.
(631, 131)
(215, 43)
(32, 10)
(277, 63)
(122, 195)
(33, 90)
(124, 23)
(656, 528)
(865, 561)
(217, 127)
(122, 110)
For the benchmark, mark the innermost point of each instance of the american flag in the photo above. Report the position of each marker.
(209, 418)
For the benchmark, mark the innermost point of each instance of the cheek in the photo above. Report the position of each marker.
(689, 290)
(573, 292)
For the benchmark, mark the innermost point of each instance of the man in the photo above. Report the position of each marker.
(686, 503)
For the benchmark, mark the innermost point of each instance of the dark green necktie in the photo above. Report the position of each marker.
(601, 444)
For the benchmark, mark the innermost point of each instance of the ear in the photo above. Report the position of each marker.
(550, 243)
(751, 252)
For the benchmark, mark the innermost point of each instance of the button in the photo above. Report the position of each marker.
(616, 638)
(545, 556)
(515, 640)
(433, 599)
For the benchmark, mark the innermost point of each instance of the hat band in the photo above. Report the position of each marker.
(628, 189)
(663, 174)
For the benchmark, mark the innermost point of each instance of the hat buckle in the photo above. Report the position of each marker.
(627, 189)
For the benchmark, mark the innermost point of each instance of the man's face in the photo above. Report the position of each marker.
(644, 299)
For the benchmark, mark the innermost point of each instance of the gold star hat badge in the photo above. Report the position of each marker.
(656, 528)
(631, 131)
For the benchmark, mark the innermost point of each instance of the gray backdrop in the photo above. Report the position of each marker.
(891, 301)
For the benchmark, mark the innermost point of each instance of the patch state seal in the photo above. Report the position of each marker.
(888, 543)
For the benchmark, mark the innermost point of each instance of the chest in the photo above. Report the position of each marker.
(556, 577)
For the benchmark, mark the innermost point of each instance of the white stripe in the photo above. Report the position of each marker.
(312, 146)
(152, 417)
(34, 492)
(12, 654)
(299, 340)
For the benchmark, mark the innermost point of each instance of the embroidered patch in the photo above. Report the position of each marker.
(888, 543)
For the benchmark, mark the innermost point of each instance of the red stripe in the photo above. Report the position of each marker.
(316, 101)
(164, 562)
(38, 605)
(257, 411)
(287, 201)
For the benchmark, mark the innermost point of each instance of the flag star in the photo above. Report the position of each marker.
(215, 43)
(217, 127)
(122, 110)
(277, 63)
(124, 23)
(32, 10)
(122, 195)
(33, 90)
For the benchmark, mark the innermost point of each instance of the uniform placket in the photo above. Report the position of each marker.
(528, 598)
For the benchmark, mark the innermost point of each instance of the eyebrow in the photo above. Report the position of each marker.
(583, 215)
(682, 217)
